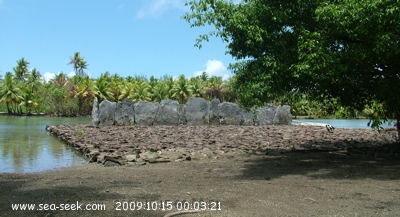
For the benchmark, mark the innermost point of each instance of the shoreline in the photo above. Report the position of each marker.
(298, 171)
(281, 184)
(294, 117)
(34, 114)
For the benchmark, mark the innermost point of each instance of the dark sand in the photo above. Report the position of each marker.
(251, 171)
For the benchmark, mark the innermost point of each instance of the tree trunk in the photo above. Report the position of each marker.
(398, 126)
(8, 108)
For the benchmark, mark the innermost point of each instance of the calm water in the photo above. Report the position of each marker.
(26, 147)
(344, 123)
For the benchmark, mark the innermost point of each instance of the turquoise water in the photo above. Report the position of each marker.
(26, 147)
(344, 123)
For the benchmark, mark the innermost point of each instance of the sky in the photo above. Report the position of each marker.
(126, 37)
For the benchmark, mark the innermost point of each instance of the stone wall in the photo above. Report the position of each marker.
(197, 111)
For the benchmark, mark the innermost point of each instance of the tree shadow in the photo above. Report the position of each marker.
(352, 162)
(16, 191)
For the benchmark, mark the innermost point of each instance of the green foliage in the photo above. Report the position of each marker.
(181, 89)
(345, 51)
(141, 92)
(101, 87)
(79, 64)
(80, 133)
(10, 94)
(375, 112)
(64, 96)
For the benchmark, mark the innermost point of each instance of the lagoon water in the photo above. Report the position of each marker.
(26, 147)
(344, 123)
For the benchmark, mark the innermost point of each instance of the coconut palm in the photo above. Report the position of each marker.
(30, 91)
(28, 102)
(101, 87)
(203, 76)
(153, 82)
(127, 90)
(215, 88)
(10, 94)
(195, 86)
(83, 91)
(169, 85)
(160, 92)
(60, 80)
(79, 64)
(181, 89)
(61, 99)
(21, 69)
(116, 87)
(141, 92)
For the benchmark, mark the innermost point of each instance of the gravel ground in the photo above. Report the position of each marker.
(250, 171)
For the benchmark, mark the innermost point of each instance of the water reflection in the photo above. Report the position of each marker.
(25, 145)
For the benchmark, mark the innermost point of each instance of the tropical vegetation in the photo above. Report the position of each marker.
(323, 58)
(342, 53)
(24, 91)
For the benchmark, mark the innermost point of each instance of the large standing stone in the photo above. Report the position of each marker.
(95, 112)
(146, 112)
(230, 114)
(283, 115)
(248, 118)
(196, 111)
(168, 113)
(182, 118)
(213, 112)
(125, 113)
(265, 115)
(106, 113)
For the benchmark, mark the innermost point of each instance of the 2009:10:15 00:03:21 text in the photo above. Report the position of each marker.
(167, 205)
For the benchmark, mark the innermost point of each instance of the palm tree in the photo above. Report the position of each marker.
(203, 76)
(169, 85)
(141, 92)
(83, 91)
(196, 87)
(10, 94)
(30, 88)
(28, 102)
(79, 64)
(153, 82)
(160, 92)
(21, 69)
(101, 87)
(116, 87)
(215, 88)
(82, 65)
(60, 80)
(127, 90)
(61, 92)
(181, 89)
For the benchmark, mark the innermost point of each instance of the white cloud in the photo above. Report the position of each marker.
(215, 68)
(48, 75)
(71, 74)
(158, 7)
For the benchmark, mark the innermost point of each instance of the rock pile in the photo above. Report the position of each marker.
(120, 145)
(197, 111)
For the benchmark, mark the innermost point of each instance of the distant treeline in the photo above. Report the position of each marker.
(24, 91)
